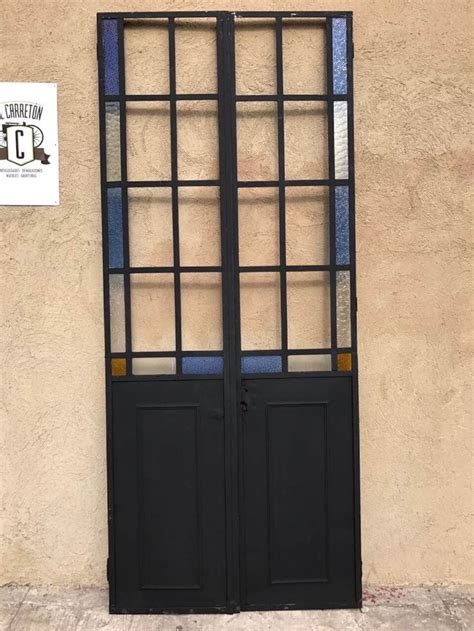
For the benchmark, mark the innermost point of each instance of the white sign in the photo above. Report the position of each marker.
(29, 157)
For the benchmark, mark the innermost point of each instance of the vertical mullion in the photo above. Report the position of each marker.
(174, 191)
(332, 192)
(124, 179)
(281, 193)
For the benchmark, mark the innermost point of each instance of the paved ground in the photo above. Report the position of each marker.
(397, 609)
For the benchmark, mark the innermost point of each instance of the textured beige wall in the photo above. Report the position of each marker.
(412, 71)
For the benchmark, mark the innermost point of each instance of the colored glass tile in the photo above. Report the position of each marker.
(342, 225)
(261, 363)
(111, 56)
(341, 150)
(309, 363)
(112, 141)
(339, 55)
(154, 366)
(343, 308)
(119, 367)
(344, 361)
(203, 365)
(115, 227)
(117, 313)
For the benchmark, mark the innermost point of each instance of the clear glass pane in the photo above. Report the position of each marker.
(339, 55)
(261, 363)
(341, 166)
(152, 304)
(117, 313)
(112, 141)
(342, 225)
(202, 365)
(196, 56)
(146, 55)
(257, 141)
(198, 148)
(255, 56)
(150, 224)
(148, 141)
(307, 225)
(306, 148)
(309, 363)
(259, 226)
(304, 56)
(343, 308)
(260, 311)
(154, 366)
(201, 311)
(115, 227)
(111, 59)
(309, 314)
(199, 225)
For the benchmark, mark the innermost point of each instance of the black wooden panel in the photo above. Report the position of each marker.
(169, 496)
(298, 506)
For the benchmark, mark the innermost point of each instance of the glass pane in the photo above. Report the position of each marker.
(148, 141)
(306, 149)
(115, 227)
(342, 225)
(198, 149)
(111, 59)
(154, 366)
(112, 141)
(343, 306)
(339, 55)
(118, 367)
(258, 226)
(341, 165)
(261, 363)
(203, 365)
(309, 363)
(309, 315)
(307, 225)
(344, 361)
(255, 56)
(152, 303)
(304, 56)
(199, 225)
(257, 141)
(196, 56)
(260, 311)
(117, 313)
(201, 311)
(146, 54)
(150, 225)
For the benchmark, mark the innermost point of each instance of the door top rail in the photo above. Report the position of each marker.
(221, 14)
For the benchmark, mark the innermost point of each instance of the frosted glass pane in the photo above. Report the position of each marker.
(146, 55)
(342, 225)
(203, 365)
(152, 304)
(115, 227)
(154, 366)
(339, 55)
(343, 309)
(201, 311)
(309, 363)
(306, 148)
(255, 56)
(199, 225)
(117, 313)
(112, 140)
(150, 225)
(260, 311)
(198, 147)
(308, 310)
(257, 141)
(196, 56)
(148, 141)
(307, 225)
(111, 59)
(304, 56)
(261, 363)
(259, 234)
(341, 166)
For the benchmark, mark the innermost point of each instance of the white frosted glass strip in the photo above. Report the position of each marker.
(343, 308)
(341, 159)
(117, 313)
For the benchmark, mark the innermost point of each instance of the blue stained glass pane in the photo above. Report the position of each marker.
(114, 218)
(203, 365)
(111, 57)
(261, 363)
(342, 225)
(339, 55)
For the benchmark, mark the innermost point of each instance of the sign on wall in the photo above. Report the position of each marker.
(29, 166)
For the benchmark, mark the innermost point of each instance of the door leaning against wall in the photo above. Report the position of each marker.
(230, 311)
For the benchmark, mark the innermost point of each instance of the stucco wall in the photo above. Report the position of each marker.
(412, 69)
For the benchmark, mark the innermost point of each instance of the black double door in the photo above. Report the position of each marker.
(231, 381)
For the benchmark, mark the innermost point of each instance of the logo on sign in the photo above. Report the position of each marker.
(21, 140)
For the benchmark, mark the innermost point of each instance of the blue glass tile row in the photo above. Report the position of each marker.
(115, 227)
(111, 56)
(339, 55)
(203, 365)
(342, 225)
(261, 363)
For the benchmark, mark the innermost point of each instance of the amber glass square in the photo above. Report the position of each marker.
(119, 367)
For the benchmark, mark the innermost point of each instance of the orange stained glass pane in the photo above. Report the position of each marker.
(119, 367)
(344, 361)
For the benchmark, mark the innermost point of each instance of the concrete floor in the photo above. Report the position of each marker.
(404, 609)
